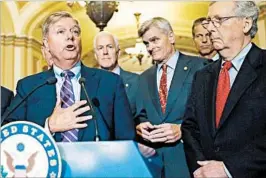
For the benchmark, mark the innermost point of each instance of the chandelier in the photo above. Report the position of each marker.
(139, 51)
(100, 12)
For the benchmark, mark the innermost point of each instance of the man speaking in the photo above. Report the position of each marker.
(65, 108)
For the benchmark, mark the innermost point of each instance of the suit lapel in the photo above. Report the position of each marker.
(91, 85)
(49, 96)
(125, 79)
(153, 90)
(180, 75)
(210, 85)
(245, 77)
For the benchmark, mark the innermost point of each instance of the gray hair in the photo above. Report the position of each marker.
(247, 9)
(53, 18)
(157, 22)
(105, 33)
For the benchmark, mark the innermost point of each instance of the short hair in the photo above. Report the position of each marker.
(107, 33)
(247, 9)
(157, 22)
(195, 23)
(53, 18)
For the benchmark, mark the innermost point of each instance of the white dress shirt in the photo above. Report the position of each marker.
(171, 64)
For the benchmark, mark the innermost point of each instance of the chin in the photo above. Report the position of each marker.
(206, 51)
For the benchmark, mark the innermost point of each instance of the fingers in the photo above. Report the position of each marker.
(203, 163)
(83, 118)
(142, 129)
(77, 105)
(80, 111)
(149, 152)
(79, 126)
(145, 125)
(156, 131)
(144, 134)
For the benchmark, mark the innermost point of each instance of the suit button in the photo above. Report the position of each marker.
(217, 149)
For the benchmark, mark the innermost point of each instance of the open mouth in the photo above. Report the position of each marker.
(70, 47)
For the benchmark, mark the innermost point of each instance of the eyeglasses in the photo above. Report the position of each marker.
(216, 21)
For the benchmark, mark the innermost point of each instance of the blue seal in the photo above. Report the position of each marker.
(15, 130)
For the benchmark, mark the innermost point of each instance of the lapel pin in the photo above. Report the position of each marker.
(185, 68)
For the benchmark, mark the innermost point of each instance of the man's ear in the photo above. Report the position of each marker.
(171, 37)
(247, 24)
(45, 42)
(118, 52)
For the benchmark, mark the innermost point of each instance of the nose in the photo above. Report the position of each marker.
(149, 47)
(70, 35)
(204, 39)
(210, 27)
(105, 50)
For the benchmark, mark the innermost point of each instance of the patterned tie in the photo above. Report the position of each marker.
(163, 88)
(68, 99)
(223, 89)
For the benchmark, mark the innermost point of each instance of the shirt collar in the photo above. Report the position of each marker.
(171, 63)
(76, 70)
(239, 59)
(116, 70)
(215, 57)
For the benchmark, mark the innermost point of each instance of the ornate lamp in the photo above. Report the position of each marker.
(100, 12)
(139, 51)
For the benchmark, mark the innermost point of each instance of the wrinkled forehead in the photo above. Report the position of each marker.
(221, 9)
(105, 39)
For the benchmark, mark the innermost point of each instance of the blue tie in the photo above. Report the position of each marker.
(68, 99)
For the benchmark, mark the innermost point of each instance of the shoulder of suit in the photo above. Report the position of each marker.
(103, 74)
(194, 59)
(34, 77)
(124, 73)
(6, 90)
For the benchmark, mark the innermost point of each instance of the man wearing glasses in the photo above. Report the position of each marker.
(224, 128)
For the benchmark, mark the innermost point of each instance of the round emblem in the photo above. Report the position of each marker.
(28, 151)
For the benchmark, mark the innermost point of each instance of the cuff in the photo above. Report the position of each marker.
(227, 172)
(47, 129)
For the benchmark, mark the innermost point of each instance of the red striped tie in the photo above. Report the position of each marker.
(163, 88)
(223, 89)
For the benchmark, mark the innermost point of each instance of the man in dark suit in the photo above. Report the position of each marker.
(201, 38)
(162, 95)
(68, 117)
(6, 97)
(224, 130)
(107, 52)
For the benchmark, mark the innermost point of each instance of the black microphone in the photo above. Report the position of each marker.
(82, 81)
(96, 103)
(49, 81)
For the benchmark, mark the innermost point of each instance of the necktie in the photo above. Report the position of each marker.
(68, 99)
(163, 88)
(223, 89)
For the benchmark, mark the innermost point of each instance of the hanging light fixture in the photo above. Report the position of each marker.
(100, 12)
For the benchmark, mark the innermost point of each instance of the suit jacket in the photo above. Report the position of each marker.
(106, 89)
(6, 97)
(149, 109)
(130, 81)
(240, 139)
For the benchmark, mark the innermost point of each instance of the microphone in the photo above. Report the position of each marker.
(96, 103)
(82, 81)
(49, 81)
